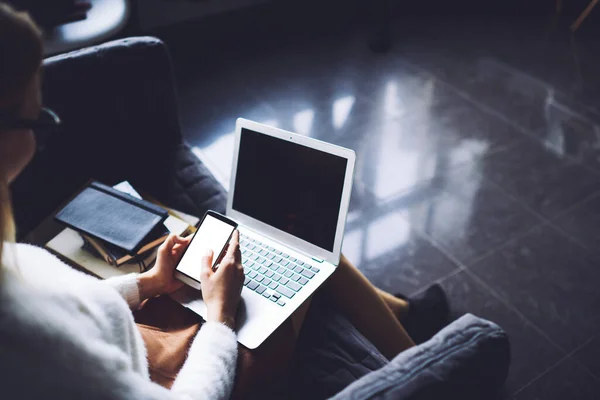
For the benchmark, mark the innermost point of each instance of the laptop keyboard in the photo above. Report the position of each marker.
(273, 274)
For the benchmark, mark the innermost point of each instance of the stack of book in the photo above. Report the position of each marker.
(117, 227)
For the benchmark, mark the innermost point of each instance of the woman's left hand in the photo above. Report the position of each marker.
(160, 280)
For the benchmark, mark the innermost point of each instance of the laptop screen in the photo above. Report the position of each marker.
(291, 187)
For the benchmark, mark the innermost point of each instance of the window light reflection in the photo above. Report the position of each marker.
(341, 110)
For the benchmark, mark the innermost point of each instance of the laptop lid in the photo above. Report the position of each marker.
(292, 188)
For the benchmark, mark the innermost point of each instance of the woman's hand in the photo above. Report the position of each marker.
(160, 280)
(221, 289)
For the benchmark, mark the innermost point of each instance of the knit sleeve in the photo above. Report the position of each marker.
(209, 370)
(127, 286)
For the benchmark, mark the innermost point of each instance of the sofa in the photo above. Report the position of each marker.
(120, 122)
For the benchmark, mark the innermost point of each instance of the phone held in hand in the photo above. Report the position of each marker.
(214, 233)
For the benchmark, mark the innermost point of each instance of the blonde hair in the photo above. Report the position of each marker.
(21, 54)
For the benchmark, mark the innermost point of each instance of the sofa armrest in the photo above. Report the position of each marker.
(468, 359)
(118, 105)
(119, 95)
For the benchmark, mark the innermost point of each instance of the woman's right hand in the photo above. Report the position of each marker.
(221, 289)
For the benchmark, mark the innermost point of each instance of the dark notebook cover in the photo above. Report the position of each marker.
(112, 216)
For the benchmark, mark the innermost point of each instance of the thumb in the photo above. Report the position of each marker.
(206, 265)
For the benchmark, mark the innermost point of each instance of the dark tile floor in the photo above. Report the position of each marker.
(478, 166)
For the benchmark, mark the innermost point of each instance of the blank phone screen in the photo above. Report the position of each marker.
(212, 234)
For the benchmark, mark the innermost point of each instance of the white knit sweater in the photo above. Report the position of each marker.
(66, 335)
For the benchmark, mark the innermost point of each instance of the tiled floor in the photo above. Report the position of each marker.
(478, 166)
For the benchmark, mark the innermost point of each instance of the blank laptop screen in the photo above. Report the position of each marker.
(291, 187)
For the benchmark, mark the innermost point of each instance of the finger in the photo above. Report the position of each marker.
(181, 243)
(234, 244)
(238, 255)
(167, 244)
(228, 265)
(181, 240)
(206, 266)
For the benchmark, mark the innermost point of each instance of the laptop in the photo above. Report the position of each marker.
(289, 194)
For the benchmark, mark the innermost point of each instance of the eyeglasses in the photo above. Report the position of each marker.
(47, 120)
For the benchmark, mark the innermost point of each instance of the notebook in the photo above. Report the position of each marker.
(107, 214)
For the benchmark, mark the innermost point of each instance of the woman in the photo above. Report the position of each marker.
(66, 335)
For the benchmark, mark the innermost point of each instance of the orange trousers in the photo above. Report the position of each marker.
(169, 328)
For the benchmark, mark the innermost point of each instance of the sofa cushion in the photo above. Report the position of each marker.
(468, 359)
(179, 180)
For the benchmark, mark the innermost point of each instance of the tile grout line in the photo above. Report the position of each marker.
(504, 244)
(490, 290)
(507, 304)
(573, 206)
(557, 363)
(543, 221)
(439, 280)
(491, 111)
(463, 267)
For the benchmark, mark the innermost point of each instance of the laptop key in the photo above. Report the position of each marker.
(298, 269)
(269, 273)
(303, 281)
(285, 255)
(273, 285)
(259, 278)
(267, 263)
(314, 269)
(252, 274)
(252, 285)
(281, 302)
(300, 262)
(308, 274)
(266, 281)
(285, 291)
(278, 252)
(246, 280)
(288, 274)
(276, 277)
(284, 280)
(285, 263)
(262, 270)
(278, 260)
(296, 277)
(281, 270)
(266, 294)
(276, 295)
(292, 259)
(294, 286)
(260, 289)
(273, 299)
(255, 257)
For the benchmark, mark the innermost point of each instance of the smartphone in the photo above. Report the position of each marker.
(214, 233)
